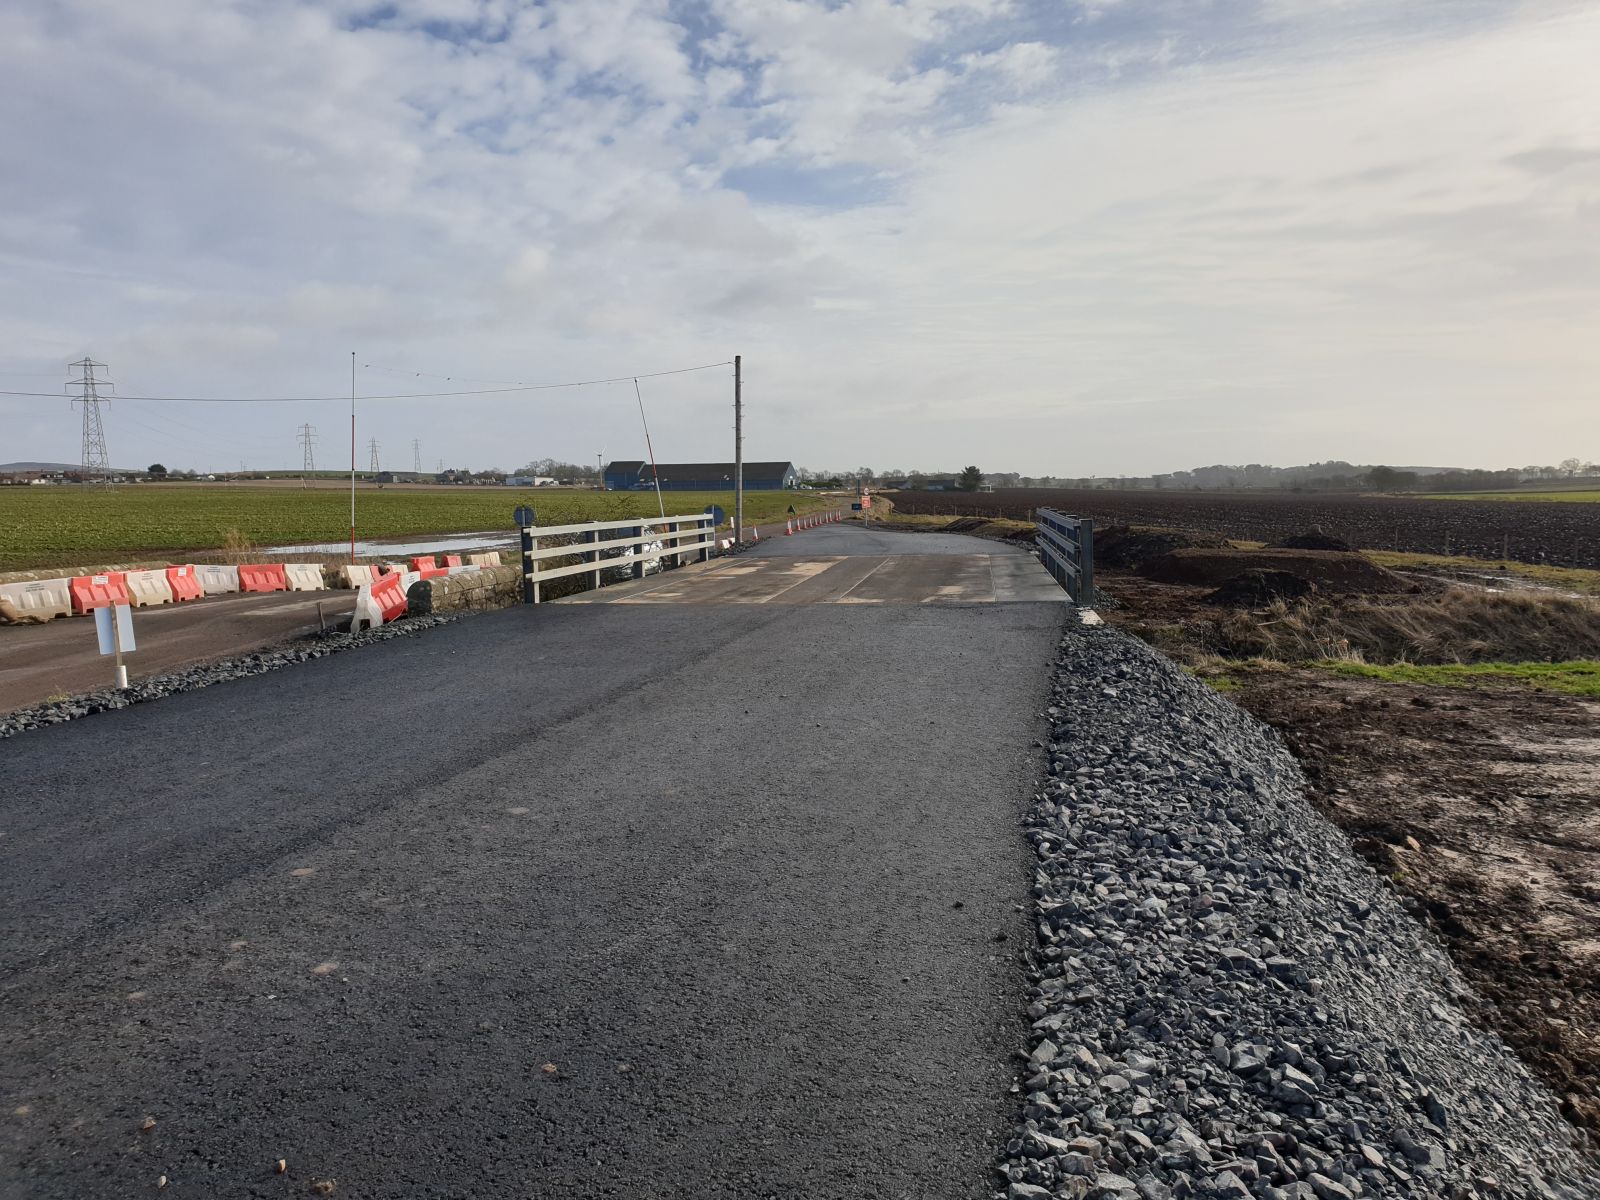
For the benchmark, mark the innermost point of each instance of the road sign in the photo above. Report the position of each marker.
(791, 510)
(114, 637)
(524, 516)
(855, 508)
(113, 624)
(717, 515)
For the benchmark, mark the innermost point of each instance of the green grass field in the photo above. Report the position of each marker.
(72, 526)
(1580, 677)
(1584, 497)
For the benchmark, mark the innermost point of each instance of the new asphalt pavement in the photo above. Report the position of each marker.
(623, 900)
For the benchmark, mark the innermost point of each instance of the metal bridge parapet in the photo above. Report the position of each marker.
(1066, 547)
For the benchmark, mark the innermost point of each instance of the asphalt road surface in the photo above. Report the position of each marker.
(62, 657)
(846, 564)
(630, 900)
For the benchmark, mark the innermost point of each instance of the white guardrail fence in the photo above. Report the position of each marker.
(1066, 547)
(634, 544)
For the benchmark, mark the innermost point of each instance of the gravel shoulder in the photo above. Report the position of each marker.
(1229, 1003)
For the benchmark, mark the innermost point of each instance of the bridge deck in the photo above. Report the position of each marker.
(844, 564)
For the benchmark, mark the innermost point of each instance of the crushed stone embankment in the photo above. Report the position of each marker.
(1229, 1003)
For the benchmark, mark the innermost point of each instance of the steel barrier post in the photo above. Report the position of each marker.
(527, 565)
(1086, 561)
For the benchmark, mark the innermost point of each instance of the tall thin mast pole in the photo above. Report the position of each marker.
(738, 454)
(660, 503)
(352, 458)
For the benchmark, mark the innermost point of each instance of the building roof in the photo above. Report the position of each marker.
(672, 472)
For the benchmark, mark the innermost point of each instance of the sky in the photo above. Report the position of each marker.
(1064, 237)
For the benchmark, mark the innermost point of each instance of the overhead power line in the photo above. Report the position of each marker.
(531, 387)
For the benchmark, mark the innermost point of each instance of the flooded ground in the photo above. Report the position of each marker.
(452, 543)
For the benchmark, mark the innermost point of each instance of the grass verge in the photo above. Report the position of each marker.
(1555, 497)
(1570, 579)
(1576, 678)
(1459, 625)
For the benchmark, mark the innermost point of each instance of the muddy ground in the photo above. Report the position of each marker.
(1482, 806)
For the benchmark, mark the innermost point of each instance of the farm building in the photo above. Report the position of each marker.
(701, 477)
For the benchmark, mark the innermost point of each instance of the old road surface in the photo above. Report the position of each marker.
(706, 898)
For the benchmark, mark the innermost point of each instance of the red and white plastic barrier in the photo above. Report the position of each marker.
(184, 584)
(263, 577)
(90, 592)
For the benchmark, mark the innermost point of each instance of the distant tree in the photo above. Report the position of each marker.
(1571, 467)
(156, 471)
(864, 476)
(1388, 479)
(970, 479)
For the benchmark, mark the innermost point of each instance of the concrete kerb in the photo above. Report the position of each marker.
(488, 587)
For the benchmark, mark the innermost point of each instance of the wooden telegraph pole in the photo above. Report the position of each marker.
(738, 454)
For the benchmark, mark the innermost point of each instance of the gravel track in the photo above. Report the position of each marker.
(1228, 1002)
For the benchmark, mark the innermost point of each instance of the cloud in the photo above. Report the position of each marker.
(937, 229)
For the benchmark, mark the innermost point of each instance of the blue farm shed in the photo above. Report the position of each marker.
(701, 477)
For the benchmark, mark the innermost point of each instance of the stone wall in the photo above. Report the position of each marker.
(492, 587)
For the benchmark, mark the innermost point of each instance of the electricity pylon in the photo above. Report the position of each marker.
(96, 463)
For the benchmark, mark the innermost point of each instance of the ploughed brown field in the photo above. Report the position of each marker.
(1563, 535)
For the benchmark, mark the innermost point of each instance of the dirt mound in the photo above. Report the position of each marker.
(1124, 546)
(1330, 570)
(1313, 540)
(1256, 588)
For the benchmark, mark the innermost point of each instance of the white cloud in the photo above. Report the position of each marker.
(1173, 233)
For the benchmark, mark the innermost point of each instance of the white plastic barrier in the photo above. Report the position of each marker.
(464, 569)
(148, 587)
(40, 597)
(489, 558)
(217, 580)
(304, 577)
(357, 574)
(368, 614)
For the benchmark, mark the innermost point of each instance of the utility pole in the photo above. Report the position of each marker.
(738, 454)
(95, 462)
(352, 458)
(307, 437)
(372, 449)
(600, 471)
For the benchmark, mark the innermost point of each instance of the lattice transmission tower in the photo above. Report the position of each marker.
(416, 455)
(372, 449)
(96, 463)
(307, 437)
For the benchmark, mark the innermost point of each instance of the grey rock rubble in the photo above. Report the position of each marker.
(1228, 1002)
(157, 686)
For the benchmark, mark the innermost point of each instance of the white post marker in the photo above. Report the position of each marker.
(114, 625)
